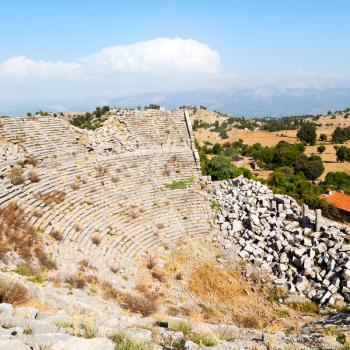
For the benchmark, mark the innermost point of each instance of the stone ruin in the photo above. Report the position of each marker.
(296, 246)
(109, 183)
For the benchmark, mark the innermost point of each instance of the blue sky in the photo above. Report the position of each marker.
(233, 42)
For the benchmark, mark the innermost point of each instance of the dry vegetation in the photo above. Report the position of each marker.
(30, 160)
(19, 236)
(199, 283)
(76, 280)
(145, 304)
(57, 235)
(12, 292)
(209, 281)
(96, 239)
(33, 176)
(54, 197)
(16, 176)
(115, 178)
(75, 185)
(100, 170)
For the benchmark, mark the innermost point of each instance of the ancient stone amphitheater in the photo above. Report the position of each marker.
(107, 193)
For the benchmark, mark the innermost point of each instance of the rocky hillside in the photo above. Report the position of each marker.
(112, 239)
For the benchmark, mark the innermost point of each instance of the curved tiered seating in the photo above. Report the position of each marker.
(121, 198)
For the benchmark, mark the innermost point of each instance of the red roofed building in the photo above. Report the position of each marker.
(339, 200)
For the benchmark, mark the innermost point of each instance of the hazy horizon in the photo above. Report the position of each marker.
(68, 54)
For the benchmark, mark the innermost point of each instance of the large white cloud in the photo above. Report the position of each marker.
(22, 67)
(164, 56)
(156, 56)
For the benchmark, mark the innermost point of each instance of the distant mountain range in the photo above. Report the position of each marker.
(249, 102)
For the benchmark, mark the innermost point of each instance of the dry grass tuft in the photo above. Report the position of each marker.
(166, 172)
(18, 235)
(151, 263)
(84, 264)
(12, 292)
(31, 161)
(33, 176)
(75, 185)
(308, 307)
(248, 321)
(44, 259)
(57, 235)
(145, 306)
(16, 176)
(27, 329)
(115, 179)
(96, 239)
(124, 342)
(109, 292)
(114, 268)
(158, 275)
(100, 170)
(54, 197)
(77, 281)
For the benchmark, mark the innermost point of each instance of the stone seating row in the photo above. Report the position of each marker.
(101, 211)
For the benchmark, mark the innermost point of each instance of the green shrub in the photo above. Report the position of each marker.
(284, 180)
(283, 154)
(223, 134)
(340, 135)
(307, 133)
(221, 168)
(214, 204)
(91, 121)
(338, 180)
(312, 167)
(286, 154)
(152, 106)
(217, 149)
(321, 148)
(343, 154)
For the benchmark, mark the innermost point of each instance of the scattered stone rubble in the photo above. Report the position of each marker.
(299, 249)
(113, 137)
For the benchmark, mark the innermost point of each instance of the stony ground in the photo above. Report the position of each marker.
(218, 301)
